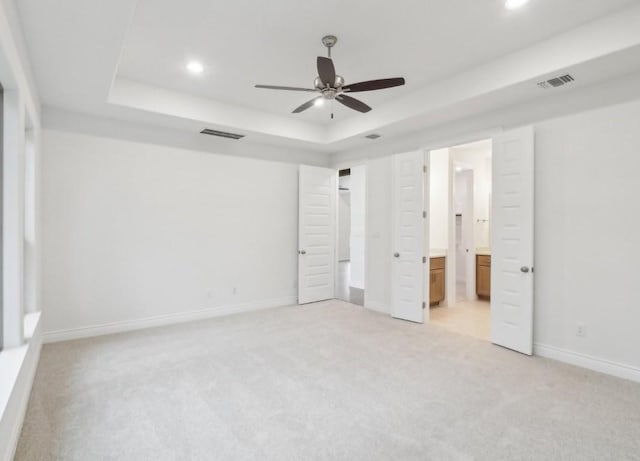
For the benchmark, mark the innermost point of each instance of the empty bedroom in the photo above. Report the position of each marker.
(332, 231)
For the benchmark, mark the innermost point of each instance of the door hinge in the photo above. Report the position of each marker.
(424, 214)
(424, 305)
(424, 168)
(424, 260)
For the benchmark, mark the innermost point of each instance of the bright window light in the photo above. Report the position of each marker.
(195, 67)
(514, 4)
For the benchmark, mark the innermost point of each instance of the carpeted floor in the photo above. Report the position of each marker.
(329, 381)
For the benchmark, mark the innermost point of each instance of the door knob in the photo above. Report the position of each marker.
(524, 269)
(396, 255)
(302, 252)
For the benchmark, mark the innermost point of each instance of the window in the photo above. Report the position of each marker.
(1, 214)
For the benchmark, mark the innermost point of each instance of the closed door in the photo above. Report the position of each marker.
(316, 234)
(408, 237)
(512, 241)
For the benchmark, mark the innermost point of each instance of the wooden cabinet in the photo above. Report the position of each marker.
(436, 281)
(483, 276)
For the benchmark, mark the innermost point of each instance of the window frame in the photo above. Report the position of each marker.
(1, 216)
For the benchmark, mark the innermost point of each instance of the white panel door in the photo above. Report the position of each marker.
(408, 224)
(512, 241)
(316, 234)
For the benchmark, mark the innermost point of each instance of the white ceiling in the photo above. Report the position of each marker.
(245, 42)
(124, 59)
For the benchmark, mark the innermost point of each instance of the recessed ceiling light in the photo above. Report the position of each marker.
(319, 102)
(195, 67)
(515, 4)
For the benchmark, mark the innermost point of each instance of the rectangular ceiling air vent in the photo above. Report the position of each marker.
(556, 82)
(222, 134)
(372, 136)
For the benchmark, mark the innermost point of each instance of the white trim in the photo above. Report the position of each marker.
(162, 320)
(95, 126)
(586, 361)
(377, 307)
(17, 368)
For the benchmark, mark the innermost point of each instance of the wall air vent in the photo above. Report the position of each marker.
(372, 136)
(556, 82)
(222, 134)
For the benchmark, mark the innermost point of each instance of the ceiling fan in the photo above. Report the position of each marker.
(332, 86)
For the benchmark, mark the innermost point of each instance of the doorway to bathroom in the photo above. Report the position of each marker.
(351, 234)
(460, 238)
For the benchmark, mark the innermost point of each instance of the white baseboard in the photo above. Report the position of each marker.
(586, 361)
(378, 307)
(162, 320)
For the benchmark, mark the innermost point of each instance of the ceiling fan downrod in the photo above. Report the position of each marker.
(329, 41)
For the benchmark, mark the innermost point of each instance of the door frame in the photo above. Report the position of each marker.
(345, 166)
(468, 234)
(451, 264)
(479, 136)
(450, 288)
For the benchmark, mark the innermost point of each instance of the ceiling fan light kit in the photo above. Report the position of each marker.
(331, 86)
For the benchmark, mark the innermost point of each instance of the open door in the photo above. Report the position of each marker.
(408, 237)
(316, 234)
(512, 241)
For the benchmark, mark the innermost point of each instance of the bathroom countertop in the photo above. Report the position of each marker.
(483, 251)
(437, 253)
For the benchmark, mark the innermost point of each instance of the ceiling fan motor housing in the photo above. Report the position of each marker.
(332, 91)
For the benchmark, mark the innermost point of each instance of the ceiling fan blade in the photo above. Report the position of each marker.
(374, 85)
(286, 88)
(306, 105)
(353, 103)
(326, 71)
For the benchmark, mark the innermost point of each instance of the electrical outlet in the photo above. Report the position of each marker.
(581, 330)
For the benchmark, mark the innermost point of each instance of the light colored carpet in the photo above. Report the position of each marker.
(329, 381)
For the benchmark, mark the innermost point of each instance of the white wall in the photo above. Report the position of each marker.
(587, 244)
(137, 231)
(479, 161)
(587, 233)
(439, 199)
(358, 225)
(377, 296)
(344, 225)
